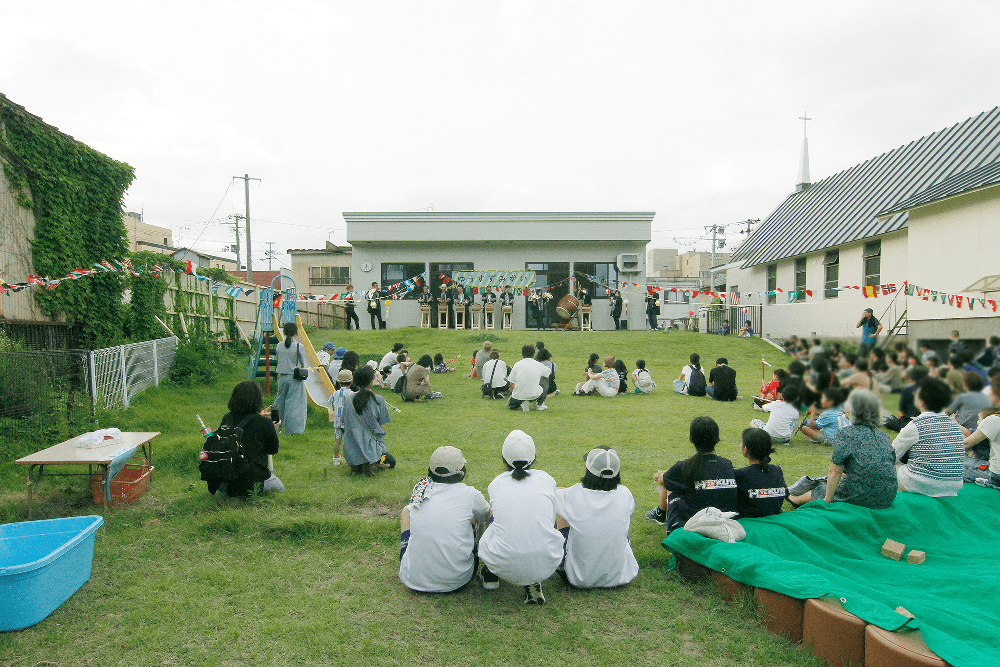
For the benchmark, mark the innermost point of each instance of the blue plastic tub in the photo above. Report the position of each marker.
(42, 563)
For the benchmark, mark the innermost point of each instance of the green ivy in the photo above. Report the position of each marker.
(76, 197)
(147, 295)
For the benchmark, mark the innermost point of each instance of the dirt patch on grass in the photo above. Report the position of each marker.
(373, 506)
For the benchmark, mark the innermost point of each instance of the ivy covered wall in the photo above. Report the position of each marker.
(75, 193)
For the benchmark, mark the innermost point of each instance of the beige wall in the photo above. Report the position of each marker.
(140, 231)
(303, 260)
(17, 229)
(954, 243)
(818, 315)
(692, 263)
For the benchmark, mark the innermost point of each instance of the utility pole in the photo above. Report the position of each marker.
(715, 230)
(236, 228)
(270, 254)
(246, 188)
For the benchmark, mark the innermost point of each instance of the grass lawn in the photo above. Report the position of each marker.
(308, 577)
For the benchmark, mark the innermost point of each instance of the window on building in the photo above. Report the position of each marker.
(446, 268)
(605, 271)
(329, 275)
(873, 263)
(772, 283)
(800, 279)
(832, 266)
(394, 273)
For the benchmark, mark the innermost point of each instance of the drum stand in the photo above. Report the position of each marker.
(489, 314)
(585, 316)
(459, 316)
(425, 316)
(443, 317)
(477, 311)
(507, 321)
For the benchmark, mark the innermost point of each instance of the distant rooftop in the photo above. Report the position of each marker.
(441, 226)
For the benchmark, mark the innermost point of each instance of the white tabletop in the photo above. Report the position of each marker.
(68, 453)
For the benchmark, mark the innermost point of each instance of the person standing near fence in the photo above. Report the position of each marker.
(291, 398)
(350, 314)
(375, 307)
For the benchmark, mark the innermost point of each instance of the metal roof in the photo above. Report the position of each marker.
(980, 177)
(845, 207)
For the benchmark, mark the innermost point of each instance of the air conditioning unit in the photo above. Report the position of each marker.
(629, 262)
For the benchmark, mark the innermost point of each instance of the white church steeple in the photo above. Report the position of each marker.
(804, 181)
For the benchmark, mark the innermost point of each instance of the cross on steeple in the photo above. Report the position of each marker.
(805, 119)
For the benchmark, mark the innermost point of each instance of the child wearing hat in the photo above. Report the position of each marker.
(338, 399)
(594, 515)
(324, 355)
(334, 366)
(438, 527)
(521, 544)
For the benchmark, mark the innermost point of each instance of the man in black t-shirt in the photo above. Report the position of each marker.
(722, 381)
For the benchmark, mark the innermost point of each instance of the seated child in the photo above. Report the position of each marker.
(605, 382)
(907, 409)
(641, 378)
(398, 370)
(440, 366)
(784, 413)
(769, 391)
(985, 437)
(967, 405)
(438, 527)
(594, 515)
(930, 447)
(821, 427)
(704, 480)
(760, 487)
(622, 376)
(692, 378)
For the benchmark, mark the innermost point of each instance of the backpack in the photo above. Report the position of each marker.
(697, 383)
(644, 381)
(222, 458)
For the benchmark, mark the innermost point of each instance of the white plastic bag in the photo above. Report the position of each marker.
(713, 522)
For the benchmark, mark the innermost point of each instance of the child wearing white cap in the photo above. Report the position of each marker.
(438, 527)
(595, 516)
(521, 544)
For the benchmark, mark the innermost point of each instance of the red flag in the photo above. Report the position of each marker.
(475, 290)
(993, 304)
(809, 292)
(958, 300)
(870, 291)
(525, 291)
(191, 270)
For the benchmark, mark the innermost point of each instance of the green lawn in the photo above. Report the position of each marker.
(308, 577)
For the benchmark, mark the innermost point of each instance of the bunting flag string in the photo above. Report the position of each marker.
(117, 266)
(523, 281)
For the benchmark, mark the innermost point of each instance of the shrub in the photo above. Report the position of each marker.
(197, 361)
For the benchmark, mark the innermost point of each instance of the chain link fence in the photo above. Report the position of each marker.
(49, 396)
(119, 373)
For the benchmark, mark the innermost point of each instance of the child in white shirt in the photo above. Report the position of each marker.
(641, 378)
(784, 414)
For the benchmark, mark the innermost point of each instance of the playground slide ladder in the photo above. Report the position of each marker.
(265, 325)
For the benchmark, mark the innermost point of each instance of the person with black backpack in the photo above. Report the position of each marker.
(692, 379)
(234, 460)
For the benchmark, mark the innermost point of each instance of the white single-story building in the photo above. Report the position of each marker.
(560, 248)
(925, 214)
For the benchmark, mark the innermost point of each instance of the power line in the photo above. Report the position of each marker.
(214, 212)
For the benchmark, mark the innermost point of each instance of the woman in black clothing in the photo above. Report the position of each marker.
(259, 437)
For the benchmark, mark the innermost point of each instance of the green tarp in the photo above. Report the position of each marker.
(822, 550)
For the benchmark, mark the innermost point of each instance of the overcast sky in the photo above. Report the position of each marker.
(689, 109)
